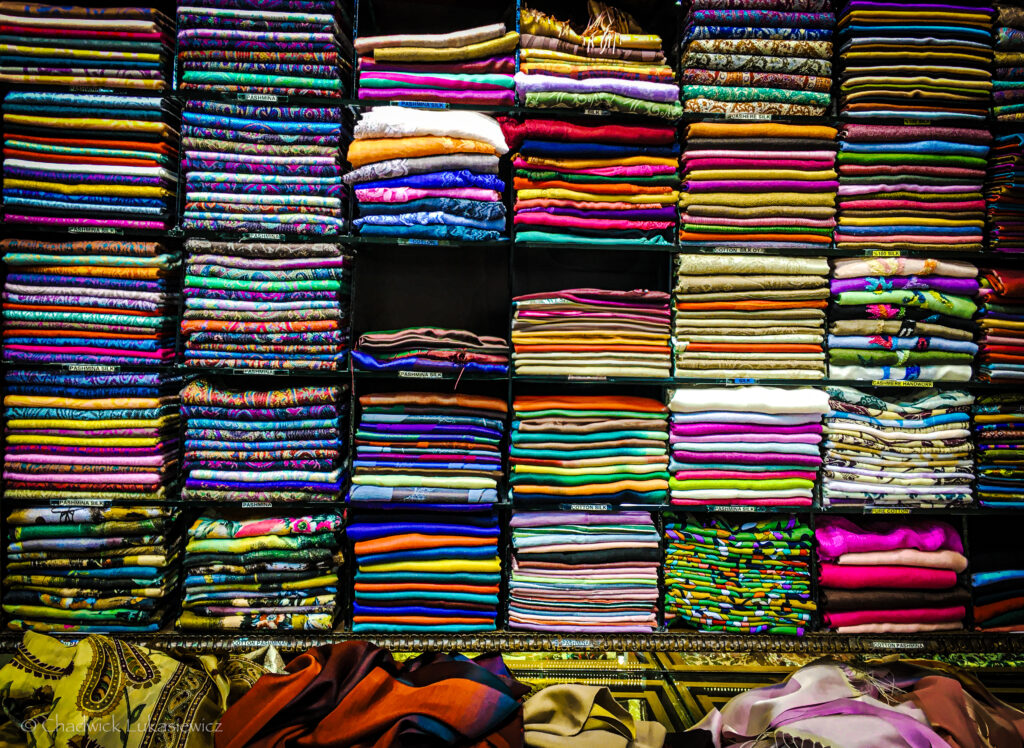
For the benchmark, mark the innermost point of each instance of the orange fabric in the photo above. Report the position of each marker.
(768, 237)
(71, 159)
(621, 485)
(984, 612)
(83, 309)
(417, 541)
(467, 588)
(370, 150)
(521, 183)
(588, 402)
(189, 325)
(96, 271)
(760, 130)
(435, 398)
(90, 143)
(426, 445)
(522, 347)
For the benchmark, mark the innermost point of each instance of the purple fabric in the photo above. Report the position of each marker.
(839, 535)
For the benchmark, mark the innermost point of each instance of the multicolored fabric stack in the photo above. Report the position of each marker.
(259, 445)
(86, 47)
(588, 448)
(426, 446)
(1001, 320)
(90, 570)
(915, 60)
(902, 319)
(257, 305)
(103, 161)
(432, 567)
(611, 65)
(756, 57)
(584, 572)
(580, 183)
(262, 168)
(758, 185)
(246, 46)
(738, 577)
(1003, 197)
(760, 316)
(997, 576)
(999, 440)
(895, 577)
(106, 302)
(911, 187)
(469, 66)
(1008, 80)
(268, 571)
(424, 175)
(592, 332)
(431, 349)
(899, 451)
(745, 445)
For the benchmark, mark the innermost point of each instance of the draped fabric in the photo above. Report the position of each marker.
(104, 163)
(1001, 323)
(431, 349)
(896, 450)
(999, 441)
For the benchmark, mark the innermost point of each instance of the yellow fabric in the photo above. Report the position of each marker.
(23, 50)
(87, 441)
(759, 174)
(559, 194)
(539, 65)
(490, 48)
(111, 423)
(46, 401)
(540, 24)
(89, 123)
(743, 199)
(116, 190)
(554, 55)
(370, 150)
(852, 221)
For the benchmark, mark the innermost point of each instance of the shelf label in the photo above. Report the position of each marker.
(421, 104)
(94, 230)
(737, 508)
(270, 98)
(80, 502)
(586, 507)
(886, 510)
(256, 505)
(752, 115)
(262, 237)
(583, 378)
(737, 250)
(883, 252)
(257, 642)
(90, 367)
(428, 242)
(901, 383)
(581, 643)
(598, 112)
(420, 375)
(888, 644)
(741, 380)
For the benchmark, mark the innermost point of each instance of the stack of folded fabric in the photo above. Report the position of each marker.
(910, 451)
(102, 301)
(259, 445)
(758, 185)
(432, 567)
(738, 577)
(1008, 80)
(756, 57)
(251, 47)
(85, 47)
(592, 332)
(469, 66)
(1003, 196)
(902, 319)
(426, 175)
(751, 316)
(612, 65)
(997, 576)
(907, 187)
(890, 576)
(431, 349)
(95, 437)
(915, 60)
(90, 570)
(260, 305)
(425, 446)
(103, 161)
(1001, 321)
(999, 441)
(262, 168)
(745, 445)
(588, 448)
(584, 572)
(580, 183)
(261, 572)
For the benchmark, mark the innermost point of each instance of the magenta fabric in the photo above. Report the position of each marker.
(804, 164)
(545, 219)
(899, 577)
(504, 97)
(741, 475)
(906, 615)
(441, 83)
(839, 535)
(784, 501)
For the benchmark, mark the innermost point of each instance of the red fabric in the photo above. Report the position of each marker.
(1007, 283)
(573, 132)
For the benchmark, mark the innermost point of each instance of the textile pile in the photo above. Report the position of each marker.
(431, 349)
(891, 576)
(584, 572)
(902, 318)
(758, 185)
(570, 713)
(1001, 320)
(1003, 198)
(579, 183)
(612, 65)
(90, 570)
(1008, 78)
(592, 332)
(246, 572)
(260, 445)
(86, 47)
(468, 66)
(287, 48)
(757, 316)
(260, 305)
(584, 448)
(745, 445)
(106, 302)
(898, 450)
(103, 161)
(911, 187)
(262, 168)
(999, 441)
(738, 578)
(426, 175)
(755, 57)
(997, 576)
(915, 60)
